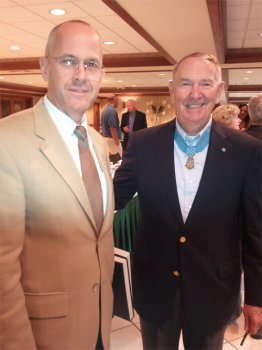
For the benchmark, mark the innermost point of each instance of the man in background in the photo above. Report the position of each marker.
(255, 130)
(132, 121)
(110, 126)
(255, 114)
(56, 246)
(199, 189)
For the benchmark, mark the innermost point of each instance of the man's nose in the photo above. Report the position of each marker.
(195, 90)
(81, 72)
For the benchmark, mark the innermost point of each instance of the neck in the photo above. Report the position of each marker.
(192, 129)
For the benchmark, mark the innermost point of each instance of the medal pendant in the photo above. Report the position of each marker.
(190, 163)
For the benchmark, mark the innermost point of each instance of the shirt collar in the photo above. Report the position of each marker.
(63, 122)
(184, 134)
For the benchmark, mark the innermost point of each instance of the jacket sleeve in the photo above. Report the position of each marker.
(125, 185)
(15, 327)
(252, 230)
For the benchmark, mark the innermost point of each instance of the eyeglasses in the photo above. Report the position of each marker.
(71, 63)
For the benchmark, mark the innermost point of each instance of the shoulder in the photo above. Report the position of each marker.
(237, 138)
(156, 132)
(141, 114)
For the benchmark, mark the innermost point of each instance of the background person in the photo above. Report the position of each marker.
(244, 116)
(132, 121)
(255, 130)
(194, 231)
(255, 114)
(56, 262)
(227, 115)
(110, 126)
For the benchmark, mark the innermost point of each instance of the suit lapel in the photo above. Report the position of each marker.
(164, 148)
(55, 150)
(219, 148)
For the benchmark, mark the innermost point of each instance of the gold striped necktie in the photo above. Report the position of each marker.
(90, 176)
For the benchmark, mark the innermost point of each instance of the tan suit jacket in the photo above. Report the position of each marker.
(51, 260)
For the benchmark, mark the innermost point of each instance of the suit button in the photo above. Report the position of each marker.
(182, 239)
(176, 273)
(95, 287)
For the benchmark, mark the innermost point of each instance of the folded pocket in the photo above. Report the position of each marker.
(47, 305)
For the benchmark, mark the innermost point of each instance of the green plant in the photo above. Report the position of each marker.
(157, 111)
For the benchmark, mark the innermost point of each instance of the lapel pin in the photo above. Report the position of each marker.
(223, 149)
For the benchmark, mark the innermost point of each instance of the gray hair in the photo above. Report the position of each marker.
(206, 57)
(255, 109)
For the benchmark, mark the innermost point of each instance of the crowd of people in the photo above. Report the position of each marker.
(199, 188)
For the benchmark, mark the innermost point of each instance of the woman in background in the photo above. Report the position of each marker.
(227, 115)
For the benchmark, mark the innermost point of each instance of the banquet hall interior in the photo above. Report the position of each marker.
(142, 41)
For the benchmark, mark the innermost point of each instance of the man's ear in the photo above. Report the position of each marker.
(44, 67)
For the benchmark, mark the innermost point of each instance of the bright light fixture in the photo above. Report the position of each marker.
(161, 73)
(120, 81)
(2, 78)
(15, 47)
(249, 71)
(109, 42)
(57, 12)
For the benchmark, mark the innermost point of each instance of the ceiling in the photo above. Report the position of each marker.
(150, 36)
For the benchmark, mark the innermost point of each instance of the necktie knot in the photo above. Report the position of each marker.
(80, 132)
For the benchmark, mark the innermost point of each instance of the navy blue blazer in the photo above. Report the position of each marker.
(222, 231)
(139, 123)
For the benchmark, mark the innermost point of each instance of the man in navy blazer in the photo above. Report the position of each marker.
(199, 186)
(132, 121)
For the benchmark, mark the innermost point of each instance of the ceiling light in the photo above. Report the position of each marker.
(249, 71)
(260, 34)
(30, 82)
(109, 42)
(57, 12)
(133, 85)
(15, 47)
(2, 78)
(120, 81)
(246, 78)
(161, 73)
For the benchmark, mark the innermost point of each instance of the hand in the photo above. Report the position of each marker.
(253, 318)
(126, 129)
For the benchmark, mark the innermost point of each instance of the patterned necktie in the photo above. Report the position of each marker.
(90, 176)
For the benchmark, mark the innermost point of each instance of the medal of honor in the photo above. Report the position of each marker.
(190, 163)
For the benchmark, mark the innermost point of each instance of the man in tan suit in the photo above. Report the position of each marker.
(56, 266)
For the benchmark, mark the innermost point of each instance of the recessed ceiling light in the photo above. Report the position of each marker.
(30, 82)
(246, 78)
(120, 81)
(2, 78)
(57, 12)
(133, 85)
(15, 47)
(260, 34)
(161, 73)
(249, 71)
(109, 42)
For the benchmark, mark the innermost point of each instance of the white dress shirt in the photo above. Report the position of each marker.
(188, 180)
(66, 127)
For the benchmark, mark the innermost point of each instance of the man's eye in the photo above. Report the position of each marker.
(185, 83)
(91, 65)
(206, 84)
(68, 61)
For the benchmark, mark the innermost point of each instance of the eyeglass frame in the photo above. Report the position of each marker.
(75, 67)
